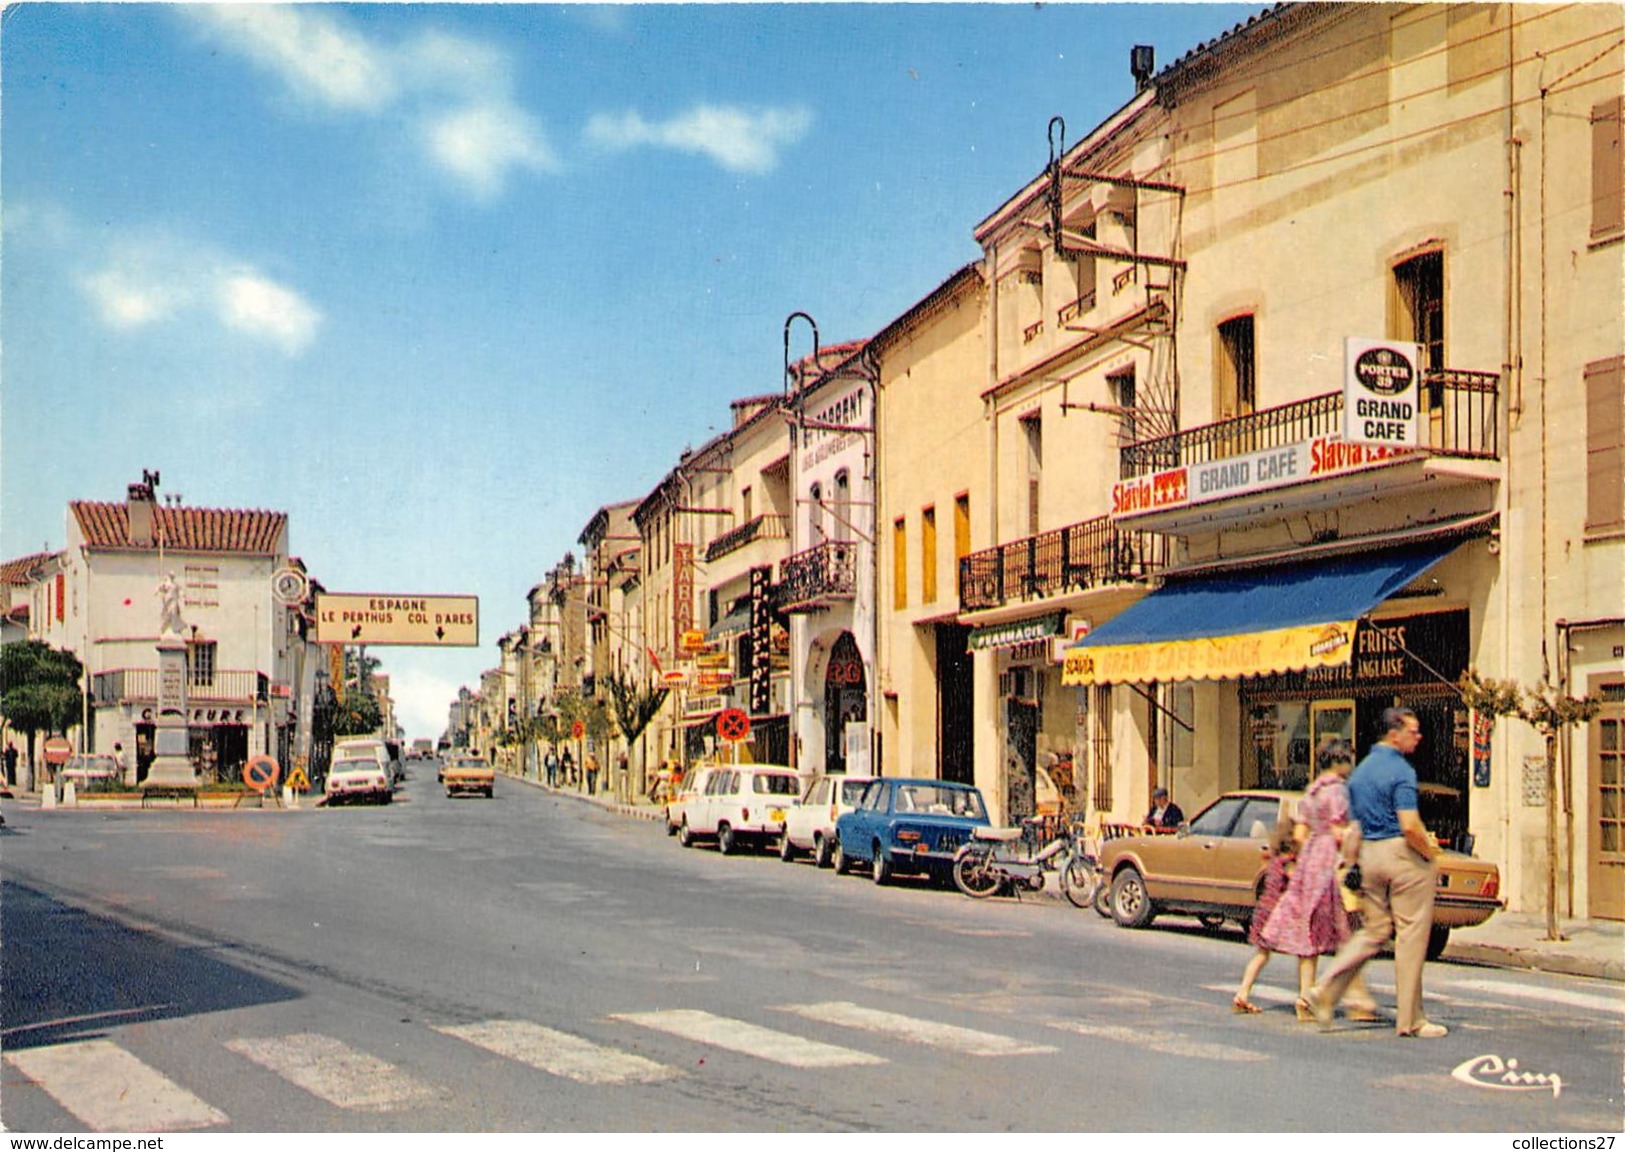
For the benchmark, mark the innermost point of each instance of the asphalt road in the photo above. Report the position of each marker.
(532, 963)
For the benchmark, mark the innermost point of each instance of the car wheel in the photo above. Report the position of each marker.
(1103, 899)
(787, 850)
(882, 872)
(1212, 921)
(726, 844)
(684, 836)
(841, 861)
(1131, 907)
(671, 829)
(821, 850)
(1438, 938)
(490, 793)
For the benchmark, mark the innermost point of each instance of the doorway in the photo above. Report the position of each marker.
(956, 735)
(1605, 809)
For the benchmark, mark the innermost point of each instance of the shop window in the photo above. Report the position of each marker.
(1607, 171)
(1236, 384)
(1281, 746)
(1100, 746)
(1605, 446)
(899, 553)
(928, 555)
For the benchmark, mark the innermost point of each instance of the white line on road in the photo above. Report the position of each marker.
(112, 1091)
(1586, 1000)
(335, 1072)
(559, 1053)
(749, 1039)
(1168, 1043)
(956, 1039)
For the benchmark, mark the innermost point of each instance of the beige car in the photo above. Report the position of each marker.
(468, 774)
(1213, 869)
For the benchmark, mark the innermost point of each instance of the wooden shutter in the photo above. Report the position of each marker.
(1605, 445)
(1607, 170)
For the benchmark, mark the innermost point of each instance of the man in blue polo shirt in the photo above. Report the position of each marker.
(1399, 875)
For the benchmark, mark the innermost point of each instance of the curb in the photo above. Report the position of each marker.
(1534, 960)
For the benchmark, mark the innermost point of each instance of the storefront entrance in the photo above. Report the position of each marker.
(845, 701)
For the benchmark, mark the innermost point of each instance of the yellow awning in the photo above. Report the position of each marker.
(1329, 645)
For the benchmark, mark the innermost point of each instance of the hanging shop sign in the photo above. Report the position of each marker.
(1193, 484)
(1017, 632)
(1381, 392)
(761, 641)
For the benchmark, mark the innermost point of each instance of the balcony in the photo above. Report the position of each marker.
(1077, 558)
(812, 580)
(141, 684)
(1460, 420)
(769, 527)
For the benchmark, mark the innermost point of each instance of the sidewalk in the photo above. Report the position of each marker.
(1594, 948)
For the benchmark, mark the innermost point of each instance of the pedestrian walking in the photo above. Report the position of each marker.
(118, 764)
(551, 763)
(567, 765)
(589, 765)
(1281, 849)
(11, 764)
(1398, 874)
(1309, 921)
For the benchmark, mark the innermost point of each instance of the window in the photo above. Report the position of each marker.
(202, 658)
(843, 505)
(1607, 171)
(1125, 396)
(815, 515)
(1218, 820)
(928, 555)
(1237, 389)
(899, 551)
(744, 506)
(1605, 446)
(1418, 315)
(961, 525)
(1032, 428)
(1100, 745)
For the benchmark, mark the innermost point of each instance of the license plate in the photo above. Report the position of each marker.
(776, 815)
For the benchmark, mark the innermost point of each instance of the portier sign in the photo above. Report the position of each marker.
(379, 618)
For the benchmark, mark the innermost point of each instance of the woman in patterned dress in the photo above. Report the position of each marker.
(1309, 921)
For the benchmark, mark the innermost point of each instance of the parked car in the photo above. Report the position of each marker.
(809, 825)
(687, 793)
(358, 777)
(741, 804)
(903, 827)
(468, 774)
(89, 771)
(1213, 869)
(350, 747)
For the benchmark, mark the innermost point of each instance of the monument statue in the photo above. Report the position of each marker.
(169, 594)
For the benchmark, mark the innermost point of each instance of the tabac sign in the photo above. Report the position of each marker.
(380, 618)
(1381, 392)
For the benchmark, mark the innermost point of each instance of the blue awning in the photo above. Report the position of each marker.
(1279, 619)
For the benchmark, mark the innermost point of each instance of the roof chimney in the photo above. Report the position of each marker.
(1142, 61)
(142, 509)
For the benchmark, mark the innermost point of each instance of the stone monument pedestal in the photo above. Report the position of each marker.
(171, 769)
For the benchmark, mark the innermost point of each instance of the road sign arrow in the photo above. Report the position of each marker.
(355, 632)
(440, 633)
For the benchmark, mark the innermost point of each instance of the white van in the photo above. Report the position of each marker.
(742, 803)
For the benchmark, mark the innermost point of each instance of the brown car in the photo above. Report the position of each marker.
(1214, 866)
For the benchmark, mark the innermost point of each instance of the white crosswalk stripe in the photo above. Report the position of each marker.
(748, 1039)
(1168, 1043)
(929, 1032)
(1588, 1001)
(559, 1053)
(112, 1091)
(333, 1071)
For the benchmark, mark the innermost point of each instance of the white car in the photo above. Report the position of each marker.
(358, 777)
(741, 803)
(809, 826)
(687, 794)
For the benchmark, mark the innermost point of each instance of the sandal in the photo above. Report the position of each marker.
(1241, 1006)
(1363, 1014)
(1303, 1010)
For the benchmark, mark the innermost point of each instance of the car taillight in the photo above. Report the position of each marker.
(1492, 886)
(744, 815)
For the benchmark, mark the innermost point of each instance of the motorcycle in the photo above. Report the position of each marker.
(998, 860)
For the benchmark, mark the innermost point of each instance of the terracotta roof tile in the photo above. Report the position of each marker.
(255, 532)
(16, 571)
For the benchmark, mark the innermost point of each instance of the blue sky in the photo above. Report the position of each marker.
(440, 281)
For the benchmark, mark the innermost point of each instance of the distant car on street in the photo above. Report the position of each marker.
(809, 825)
(468, 774)
(908, 827)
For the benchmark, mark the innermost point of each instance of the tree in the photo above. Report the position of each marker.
(1549, 711)
(40, 689)
(636, 706)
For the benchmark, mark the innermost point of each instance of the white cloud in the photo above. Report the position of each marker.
(315, 56)
(143, 281)
(251, 304)
(479, 146)
(741, 140)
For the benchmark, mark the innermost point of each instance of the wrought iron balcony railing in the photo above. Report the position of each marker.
(1460, 418)
(811, 579)
(1078, 557)
(769, 527)
(123, 684)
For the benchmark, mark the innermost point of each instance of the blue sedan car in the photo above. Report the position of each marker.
(906, 827)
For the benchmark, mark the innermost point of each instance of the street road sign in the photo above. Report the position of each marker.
(260, 773)
(379, 618)
(733, 725)
(577, 730)
(57, 750)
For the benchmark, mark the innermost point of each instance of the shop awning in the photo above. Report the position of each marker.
(1285, 618)
(735, 623)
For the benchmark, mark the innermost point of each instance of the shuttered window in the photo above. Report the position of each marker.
(1607, 170)
(1605, 446)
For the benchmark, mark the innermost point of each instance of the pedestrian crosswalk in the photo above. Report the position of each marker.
(108, 1088)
